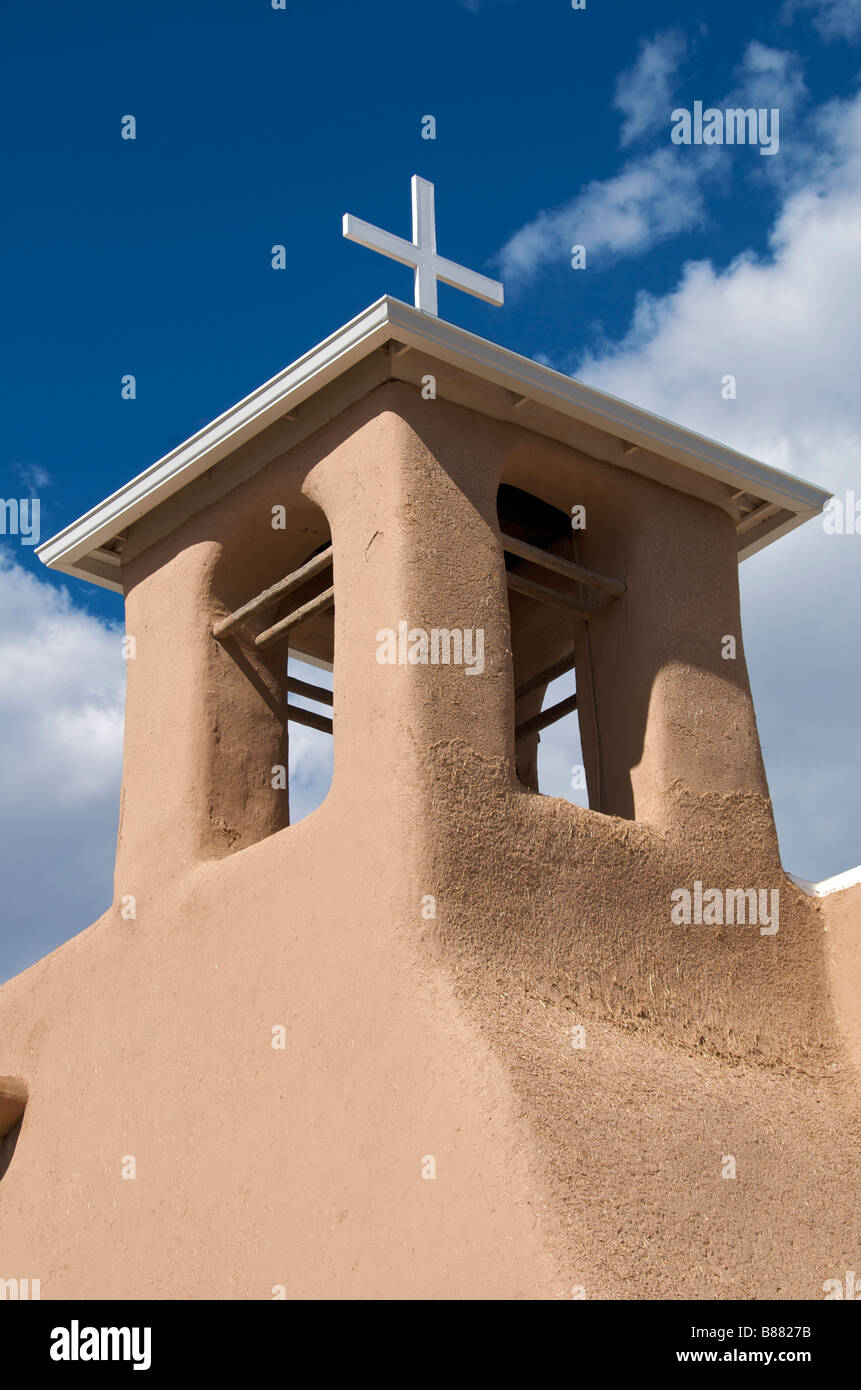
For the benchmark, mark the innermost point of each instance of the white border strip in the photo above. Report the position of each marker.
(375, 326)
(607, 413)
(218, 439)
(828, 885)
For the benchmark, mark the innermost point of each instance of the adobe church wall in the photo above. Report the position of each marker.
(408, 488)
(260, 1164)
(205, 721)
(412, 1036)
(675, 711)
(306, 1165)
(572, 899)
(674, 714)
(842, 916)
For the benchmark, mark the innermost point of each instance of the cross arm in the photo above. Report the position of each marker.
(366, 234)
(480, 285)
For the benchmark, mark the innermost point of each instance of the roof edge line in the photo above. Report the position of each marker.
(188, 460)
(389, 318)
(624, 416)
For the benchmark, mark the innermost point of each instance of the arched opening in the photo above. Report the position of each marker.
(310, 693)
(288, 628)
(543, 636)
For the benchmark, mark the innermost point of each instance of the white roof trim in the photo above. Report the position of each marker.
(828, 885)
(387, 319)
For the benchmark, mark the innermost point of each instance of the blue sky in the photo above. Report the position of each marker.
(258, 126)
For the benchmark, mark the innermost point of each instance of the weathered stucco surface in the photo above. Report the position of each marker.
(409, 1037)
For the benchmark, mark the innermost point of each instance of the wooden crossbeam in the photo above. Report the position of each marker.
(758, 515)
(556, 598)
(559, 565)
(269, 597)
(546, 717)
(107, 557)
(284, 625)
(309, 718)
(311, 692)
(550, 673)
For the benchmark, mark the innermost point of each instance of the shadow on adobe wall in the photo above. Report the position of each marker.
(13, 1102)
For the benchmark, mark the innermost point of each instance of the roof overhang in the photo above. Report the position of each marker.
(771, 502)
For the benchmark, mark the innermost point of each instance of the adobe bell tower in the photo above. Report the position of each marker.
(441, 1038)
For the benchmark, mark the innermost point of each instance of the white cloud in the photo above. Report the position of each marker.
(661, 194)
(560, 750)
(835, 19)
(786, 326)
(644, 91)
(62, 692)
(649, 200)
(311, 753)
(61, 721)
(783, 325)
(61, 697)
(34, 478)
(768, 77)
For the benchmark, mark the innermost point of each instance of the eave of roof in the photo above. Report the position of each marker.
(388, 319)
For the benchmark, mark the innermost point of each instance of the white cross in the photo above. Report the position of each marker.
(421, 254)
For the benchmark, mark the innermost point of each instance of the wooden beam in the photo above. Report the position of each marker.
(107, 557)
(754, 518)
(559, 565)
(281, 628)
(550, 673)
(311, 692)
(547, 716)
(310, 719)
(268, 597)
(556, 598)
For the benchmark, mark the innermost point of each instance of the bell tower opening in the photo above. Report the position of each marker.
(542, 646)
(292, 622)
(552, 598)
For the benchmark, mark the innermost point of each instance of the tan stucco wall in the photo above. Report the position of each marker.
(842, 916)
(451, 1037)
